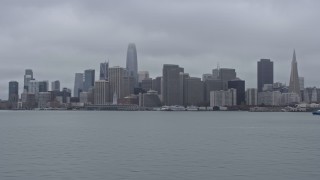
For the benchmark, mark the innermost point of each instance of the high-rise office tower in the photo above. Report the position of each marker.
(127, 86)
(146, 84)
(171, 90)
(294, 86)
(43, 86)
(239, 85)
(211, 85)
(265, 73)
(33, 88)
(142, 75)
(156, 84)
(182, 86)
(116, 79)
(27, 77)
(301, 83)
(102, 92)
(193, 91)
(206, 77)
(225, 75)
(55, 85)
(89, 78)
(78, 84)
(13, 97)
(132, 62)
(65, 95)
(215, 73)
(104, 71)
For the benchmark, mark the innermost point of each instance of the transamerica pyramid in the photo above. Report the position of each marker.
(294, 86)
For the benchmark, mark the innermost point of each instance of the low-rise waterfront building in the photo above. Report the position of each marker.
(43, 99)
(289, 98)
(149, 99)
(252, 97)
(269, 98)
(223, 98)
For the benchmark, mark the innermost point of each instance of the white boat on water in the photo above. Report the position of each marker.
(192, 108)
(165, 108)
(177, 108)
(172, 108)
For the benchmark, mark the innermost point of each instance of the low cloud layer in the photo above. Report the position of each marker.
(59, 38)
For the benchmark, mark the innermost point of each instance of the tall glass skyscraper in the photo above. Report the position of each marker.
(43, 86)
(104, 71)
(132, 63)
(55, 85)
(225, 75)
(89, 78)
(27, 77)
(78, 84)
(13, 92)
(265, 73)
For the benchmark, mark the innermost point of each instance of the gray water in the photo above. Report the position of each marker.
(159, 145)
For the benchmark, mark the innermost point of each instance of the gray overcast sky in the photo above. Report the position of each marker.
(59, 38)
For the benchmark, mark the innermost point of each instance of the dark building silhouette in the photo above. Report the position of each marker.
(43, 86)
(89, 78)
(211, 85)
(225, 75)
(156, 84)
(104, 71)
(139, 90)
(30, 101)
(265, 73)
(13, 97)
(127, 87)
(239, 85)
(182, 87)
(193, 91)
(65, 94)
(146, 84)
(171, 91)
(150, 99)
(78, 84)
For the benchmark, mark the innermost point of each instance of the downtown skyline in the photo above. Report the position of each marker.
(97, 75)
(222, 87)
(57, 39)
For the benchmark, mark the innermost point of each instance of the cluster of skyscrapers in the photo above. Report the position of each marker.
(119, 85)
(277, 94)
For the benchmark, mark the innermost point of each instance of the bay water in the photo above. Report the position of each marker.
(159, 145)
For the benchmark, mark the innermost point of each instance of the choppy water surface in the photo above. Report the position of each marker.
(159, 145)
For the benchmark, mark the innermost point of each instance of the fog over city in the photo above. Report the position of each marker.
(58, 38)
